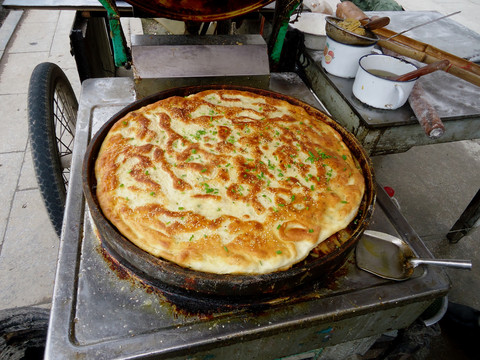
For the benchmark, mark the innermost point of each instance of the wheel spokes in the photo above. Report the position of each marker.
(64, 120)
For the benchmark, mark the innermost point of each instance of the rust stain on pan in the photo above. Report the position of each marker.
(323, 261)
(183, 304)
(180, 302)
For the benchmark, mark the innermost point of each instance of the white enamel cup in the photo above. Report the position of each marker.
(378, 91)
(342, 59)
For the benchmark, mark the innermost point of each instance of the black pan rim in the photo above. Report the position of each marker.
(215, 284)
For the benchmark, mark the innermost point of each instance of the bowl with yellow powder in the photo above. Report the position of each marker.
(348, 31)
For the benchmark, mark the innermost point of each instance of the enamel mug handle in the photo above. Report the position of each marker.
(400, 94)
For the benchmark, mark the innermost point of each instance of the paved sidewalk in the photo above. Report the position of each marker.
(28, 243)
(434, 183)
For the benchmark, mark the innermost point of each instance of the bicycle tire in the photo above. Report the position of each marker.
(52, 112)
(23, 333)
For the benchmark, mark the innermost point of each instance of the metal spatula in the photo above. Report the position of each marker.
(391, 258)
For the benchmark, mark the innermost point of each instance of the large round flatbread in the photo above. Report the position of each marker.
(226, 181)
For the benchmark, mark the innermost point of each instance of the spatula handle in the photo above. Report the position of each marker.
(458, 264)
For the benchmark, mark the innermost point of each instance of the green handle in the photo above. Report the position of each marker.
(277, 47)
(120, 50)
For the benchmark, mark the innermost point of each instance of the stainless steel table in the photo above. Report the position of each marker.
(390, 131)
(101, 312)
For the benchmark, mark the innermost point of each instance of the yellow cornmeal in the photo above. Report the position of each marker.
(352, 25)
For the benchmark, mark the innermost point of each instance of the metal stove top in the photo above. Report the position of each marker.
(100, 312)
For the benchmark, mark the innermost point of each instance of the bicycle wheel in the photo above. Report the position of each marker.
(52, 113)
(23, 333)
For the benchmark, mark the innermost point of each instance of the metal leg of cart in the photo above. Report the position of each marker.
(466, 221)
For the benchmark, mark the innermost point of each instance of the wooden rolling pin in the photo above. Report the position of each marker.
(426, 114)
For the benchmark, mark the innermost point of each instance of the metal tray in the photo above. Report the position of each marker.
(99, 311)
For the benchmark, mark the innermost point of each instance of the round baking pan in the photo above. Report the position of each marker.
(322, 261)
(197, 10)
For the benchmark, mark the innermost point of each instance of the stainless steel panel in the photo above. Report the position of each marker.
(186, 56)
(166, 61)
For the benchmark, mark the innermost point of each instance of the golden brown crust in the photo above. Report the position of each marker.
(226, 181)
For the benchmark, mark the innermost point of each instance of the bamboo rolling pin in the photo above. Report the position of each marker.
(428, 54)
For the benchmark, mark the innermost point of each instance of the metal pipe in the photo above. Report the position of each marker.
(121, 52)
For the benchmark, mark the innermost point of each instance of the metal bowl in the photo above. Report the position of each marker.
(312, 25)
(337, 33)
